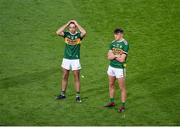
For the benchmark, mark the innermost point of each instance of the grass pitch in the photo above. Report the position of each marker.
(31, 54)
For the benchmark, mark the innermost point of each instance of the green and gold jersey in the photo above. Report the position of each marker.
(117, 48)
(72, 45)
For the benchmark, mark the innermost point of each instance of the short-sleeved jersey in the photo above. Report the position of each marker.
(72, 45)
(117, 48)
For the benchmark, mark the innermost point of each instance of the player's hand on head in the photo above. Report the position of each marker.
(74, 21)
(68, 22)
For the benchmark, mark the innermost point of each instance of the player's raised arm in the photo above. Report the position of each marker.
(60, 31)
(81, 29)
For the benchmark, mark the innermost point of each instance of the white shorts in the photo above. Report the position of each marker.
(71, 64)
(116, 72)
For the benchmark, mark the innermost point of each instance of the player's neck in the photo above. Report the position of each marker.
(73, 32)
(121, 39)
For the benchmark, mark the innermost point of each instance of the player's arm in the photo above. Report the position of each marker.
(81, 29)
(123, 54)
(60, 31)
(111, 55)
(122, 58)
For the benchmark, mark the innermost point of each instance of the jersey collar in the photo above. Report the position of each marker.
(72, 33)
(120, 40)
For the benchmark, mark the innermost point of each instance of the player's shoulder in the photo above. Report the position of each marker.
(66, 32)
(113, 41)
(125, 42)
(78, 33)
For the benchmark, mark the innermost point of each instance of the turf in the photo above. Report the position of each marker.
(31, 53)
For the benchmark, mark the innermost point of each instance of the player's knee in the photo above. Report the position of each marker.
(65, 76)
(77, 79)
(111, 84)
(76, 75)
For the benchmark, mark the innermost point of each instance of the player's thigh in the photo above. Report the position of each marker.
(75, 64)
(76, 74)
(121, 82)
(66, 64)
(65, 73)
(112, 80)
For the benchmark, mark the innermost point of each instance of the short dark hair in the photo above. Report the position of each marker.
(118, 30)
(72, 23)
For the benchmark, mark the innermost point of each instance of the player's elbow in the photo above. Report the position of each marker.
(109, 57)
(57, 33)
(83, 34)
(122, 60)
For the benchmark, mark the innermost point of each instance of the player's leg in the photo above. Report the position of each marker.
(120, 76)
(111, 86)
(64, 82)
(77, 84)
(65, 78)
(76, 66)
(112, 79)
(121, 82)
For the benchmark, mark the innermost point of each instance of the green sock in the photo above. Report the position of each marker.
(111, 99)
(63, 93)
(123, 104)
(77, 94)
